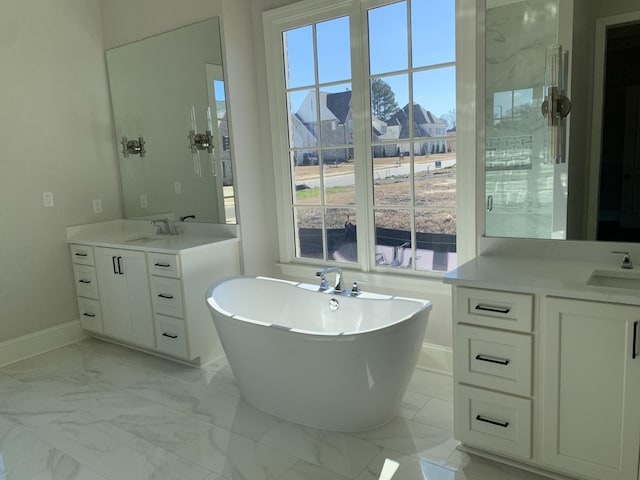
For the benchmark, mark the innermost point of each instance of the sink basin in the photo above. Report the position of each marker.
(143, 240)
(615, 279)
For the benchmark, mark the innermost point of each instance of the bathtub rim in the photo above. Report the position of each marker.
(425, 307)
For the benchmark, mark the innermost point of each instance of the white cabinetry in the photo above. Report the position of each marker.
(492, 370)
(551, 383)
(84, 272)
(154, 300)
(124, 295)
(591, 388)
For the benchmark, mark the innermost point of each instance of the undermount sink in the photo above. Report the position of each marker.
(615, 279)
(143, 239)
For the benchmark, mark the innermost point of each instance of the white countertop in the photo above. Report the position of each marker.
(140, 235)
(541, 276)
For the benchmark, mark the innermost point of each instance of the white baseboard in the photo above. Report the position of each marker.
(40, 342)
(436, 358)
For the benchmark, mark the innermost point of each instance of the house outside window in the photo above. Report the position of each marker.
(368, 148)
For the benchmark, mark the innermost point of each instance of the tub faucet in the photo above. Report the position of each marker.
(626, 260)
(324, 285)
(398, 254)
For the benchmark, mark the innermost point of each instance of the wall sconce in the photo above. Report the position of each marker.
(556, 105)
(133, 147)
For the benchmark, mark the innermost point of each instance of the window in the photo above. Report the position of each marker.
(370, 135)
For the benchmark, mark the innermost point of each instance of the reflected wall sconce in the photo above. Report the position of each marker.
(200, 141)
(133, 147)
(556, 105)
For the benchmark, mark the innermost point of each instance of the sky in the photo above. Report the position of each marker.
(433, 42)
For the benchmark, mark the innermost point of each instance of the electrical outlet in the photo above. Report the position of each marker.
(47, 198)
(143, 201)
(177, 187)
(97, 205)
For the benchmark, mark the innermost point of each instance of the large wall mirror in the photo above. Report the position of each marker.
(567, 174)
(170, 114)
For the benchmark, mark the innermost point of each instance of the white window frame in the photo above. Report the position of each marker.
(281, 19)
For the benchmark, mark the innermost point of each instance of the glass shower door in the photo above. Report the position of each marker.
(525, 188)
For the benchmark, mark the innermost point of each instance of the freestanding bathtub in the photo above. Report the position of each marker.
(316, 358)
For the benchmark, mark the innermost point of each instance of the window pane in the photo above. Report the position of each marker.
(393, 237)
(308, 228)
(336, 119)
(434, 97)
(306, 177)
(433, 32)
(388, 38)
(389, 108)
(341, 234)
(435, 240)
(334, 51)
(435, 173)
(391, 181)
(339, 177)
(303, 119)
(299, 58)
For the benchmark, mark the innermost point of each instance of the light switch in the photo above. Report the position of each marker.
(177, 187)
(143, 201)
(97, 205)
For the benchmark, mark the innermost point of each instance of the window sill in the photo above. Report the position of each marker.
(378, 282)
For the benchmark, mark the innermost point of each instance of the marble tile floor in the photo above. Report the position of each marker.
(97, 411)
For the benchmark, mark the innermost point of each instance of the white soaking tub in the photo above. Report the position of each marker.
(320, 359)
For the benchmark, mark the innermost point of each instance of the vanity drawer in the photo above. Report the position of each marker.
(493, 308)
(171, 337)
(82, 254)
(167, 296)
(90, 314)
(493, 421)
(86, 283)
(164, 264)
(494, 359)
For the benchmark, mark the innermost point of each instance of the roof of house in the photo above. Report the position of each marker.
(340, 105)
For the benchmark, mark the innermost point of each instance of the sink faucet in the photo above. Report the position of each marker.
(626, 260)
(324, 285)
(163, 226)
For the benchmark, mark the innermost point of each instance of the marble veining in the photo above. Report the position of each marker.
(96, 411)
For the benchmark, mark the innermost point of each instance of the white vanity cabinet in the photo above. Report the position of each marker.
(151, 294)
(84, 272)
(546, 372)
(590, 388)
(124, 294)
(492, 368)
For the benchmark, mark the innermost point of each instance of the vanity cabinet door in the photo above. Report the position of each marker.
(591, 388)
(124, 294)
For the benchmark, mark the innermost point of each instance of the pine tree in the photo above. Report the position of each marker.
(383, 100)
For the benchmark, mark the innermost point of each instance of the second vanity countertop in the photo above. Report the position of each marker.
(140, 235)
(542, 276)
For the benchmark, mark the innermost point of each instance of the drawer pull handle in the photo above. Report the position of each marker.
(90, 315)
(173, 337)
(163, 265)
(480, 418)
(81, 254)
(634, 346)
(84, 281)
(164, 295)
(486, 358)
(490, 308)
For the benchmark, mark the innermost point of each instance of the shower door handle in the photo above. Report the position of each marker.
(490, 203)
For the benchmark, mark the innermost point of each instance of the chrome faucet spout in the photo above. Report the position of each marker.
(324, 285)
(626, 260)
(163, 226)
